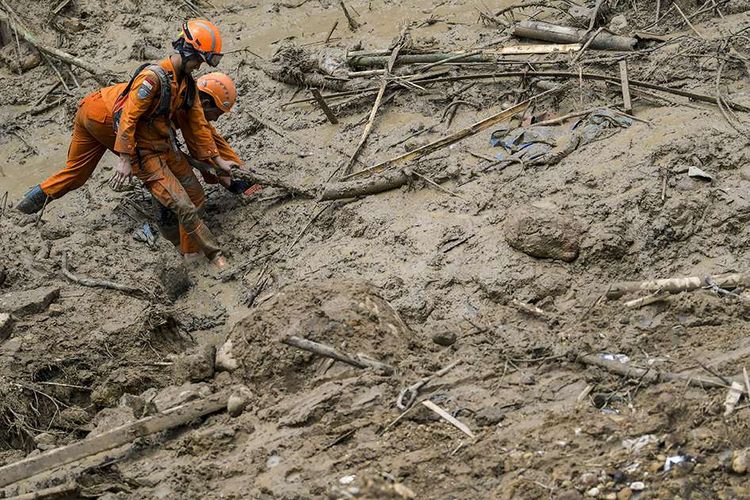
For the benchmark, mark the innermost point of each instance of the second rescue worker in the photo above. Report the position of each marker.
(145, 141)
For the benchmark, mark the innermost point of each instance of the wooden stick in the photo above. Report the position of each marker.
(677, 285)
(330, 352)
(455, 137)
(94, 283)
(324, 106)
(371, 120)
(353, 24)
(688, 21)
(627, 106)
(52, 51)
(449, 418)
(330, 33)
(118, 436)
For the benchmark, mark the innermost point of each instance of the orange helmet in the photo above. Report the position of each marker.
(221, 88)
(201, 37)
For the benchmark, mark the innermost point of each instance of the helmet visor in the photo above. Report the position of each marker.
(212, 58)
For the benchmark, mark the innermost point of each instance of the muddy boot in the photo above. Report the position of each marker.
(33, 201)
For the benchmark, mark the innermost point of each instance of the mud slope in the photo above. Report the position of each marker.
(500, 268)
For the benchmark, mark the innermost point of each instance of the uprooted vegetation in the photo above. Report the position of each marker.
(491, 257)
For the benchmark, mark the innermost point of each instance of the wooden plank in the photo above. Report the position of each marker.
(625, 83)
(118, 436)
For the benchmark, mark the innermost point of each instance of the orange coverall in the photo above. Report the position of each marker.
(164, 172)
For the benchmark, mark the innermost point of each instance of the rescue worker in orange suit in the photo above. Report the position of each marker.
(142, 115)
(218, 95)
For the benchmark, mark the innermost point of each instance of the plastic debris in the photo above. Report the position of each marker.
(636, 445)
(622, 358)
(145, 234)
(697, 173)
(674, 460)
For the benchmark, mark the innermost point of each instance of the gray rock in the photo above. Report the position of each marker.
(543, 234)
(27, 302)
(618, 24)
(238, 401)
(739, 461)
(6, 326)
(196, 366)
(445, 338)
(489, 415)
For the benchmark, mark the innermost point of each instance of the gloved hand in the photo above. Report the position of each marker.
(238, 187)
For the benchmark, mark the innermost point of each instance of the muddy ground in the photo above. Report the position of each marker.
(418, 277)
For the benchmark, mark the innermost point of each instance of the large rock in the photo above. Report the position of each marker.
(543, 234)
(27, 302)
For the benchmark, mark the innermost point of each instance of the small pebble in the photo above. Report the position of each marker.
(739, 462)
(638, 486)
(593, 492)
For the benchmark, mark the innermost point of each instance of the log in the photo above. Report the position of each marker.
(65, 490)
(537, 30)
(343, 190)
(118, 436)
(358, 361)
(378, 58)
(677, 285)
(625, 84)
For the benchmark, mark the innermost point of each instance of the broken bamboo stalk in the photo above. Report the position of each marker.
(677, 285)
(357, 361)
(649, 375)
(625, 84)
(368, 59)
(118, 436)
(455, 137)
(10, 17)
(537, 30)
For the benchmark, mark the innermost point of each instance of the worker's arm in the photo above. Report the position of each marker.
(144, 91)
(199, 137)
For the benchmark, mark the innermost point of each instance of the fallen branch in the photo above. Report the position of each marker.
(246, 174)
(677, 285)
(357, 361)
(118, 436)
(10, 17)
(95, 283)
(537, 30)
(649, 375)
